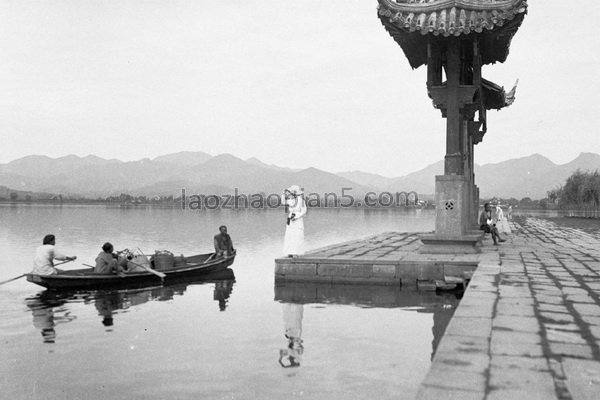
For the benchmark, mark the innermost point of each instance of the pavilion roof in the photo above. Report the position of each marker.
(412, 22)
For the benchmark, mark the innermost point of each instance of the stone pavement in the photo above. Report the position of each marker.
(528, 326)
(389, 258)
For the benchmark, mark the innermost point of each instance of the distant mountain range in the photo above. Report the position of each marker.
(202, 173)
(530, 176)
(197, 172)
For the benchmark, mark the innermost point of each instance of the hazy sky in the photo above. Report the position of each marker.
(294, 83)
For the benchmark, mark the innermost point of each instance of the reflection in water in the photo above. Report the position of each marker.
(292, 320)
(222, 292)
(106, 304)
(49, 308)
(48, 311)
(295, 295)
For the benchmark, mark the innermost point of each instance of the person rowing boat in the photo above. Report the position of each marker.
(43, 261)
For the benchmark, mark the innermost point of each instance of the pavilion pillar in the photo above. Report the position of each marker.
(476, 132)
(453, 164)
(474, 207)
(453, 190)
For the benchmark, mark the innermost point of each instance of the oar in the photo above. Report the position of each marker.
(152, 271)
(12, 279)
(22, 275)
(209, 258)
(64, 262)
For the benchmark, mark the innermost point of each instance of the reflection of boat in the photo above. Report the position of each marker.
(107, 302)
(195, 266)
(50, 307)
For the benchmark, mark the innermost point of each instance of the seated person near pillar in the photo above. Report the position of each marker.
(487, 225)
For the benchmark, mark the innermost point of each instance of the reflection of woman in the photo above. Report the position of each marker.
(293, 243)
(292, 319)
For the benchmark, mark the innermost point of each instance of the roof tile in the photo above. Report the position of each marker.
(450, 17)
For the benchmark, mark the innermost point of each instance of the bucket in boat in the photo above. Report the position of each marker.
(163, 260)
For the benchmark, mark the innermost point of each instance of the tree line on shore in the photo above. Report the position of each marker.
(123, 198)
(580, 191)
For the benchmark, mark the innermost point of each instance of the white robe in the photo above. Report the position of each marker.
(293, 242)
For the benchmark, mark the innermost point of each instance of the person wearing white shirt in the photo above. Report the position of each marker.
(499, 213)
(43, 261)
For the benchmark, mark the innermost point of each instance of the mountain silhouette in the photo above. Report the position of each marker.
(201, 173)
(532, 176)
(196, 172)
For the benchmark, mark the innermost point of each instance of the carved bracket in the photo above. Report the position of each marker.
(439, 94)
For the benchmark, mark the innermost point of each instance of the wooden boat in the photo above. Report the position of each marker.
(79, 279)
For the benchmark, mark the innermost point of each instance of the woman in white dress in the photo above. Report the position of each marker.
(293, 243)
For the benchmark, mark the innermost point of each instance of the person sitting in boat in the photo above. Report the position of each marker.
(43, 261)
(107, 262)
(223, 243)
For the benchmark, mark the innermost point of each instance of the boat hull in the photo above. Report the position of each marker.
(85, 279)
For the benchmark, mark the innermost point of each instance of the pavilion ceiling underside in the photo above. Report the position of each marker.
(411, 23)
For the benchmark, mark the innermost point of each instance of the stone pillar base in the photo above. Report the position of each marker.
(452, 205)
(453, 230)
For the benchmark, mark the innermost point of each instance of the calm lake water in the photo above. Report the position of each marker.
(219, 339)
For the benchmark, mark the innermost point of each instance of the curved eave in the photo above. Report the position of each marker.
(496, 97)
(412, 24)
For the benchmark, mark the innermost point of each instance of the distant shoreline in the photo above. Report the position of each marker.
(175, 204)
